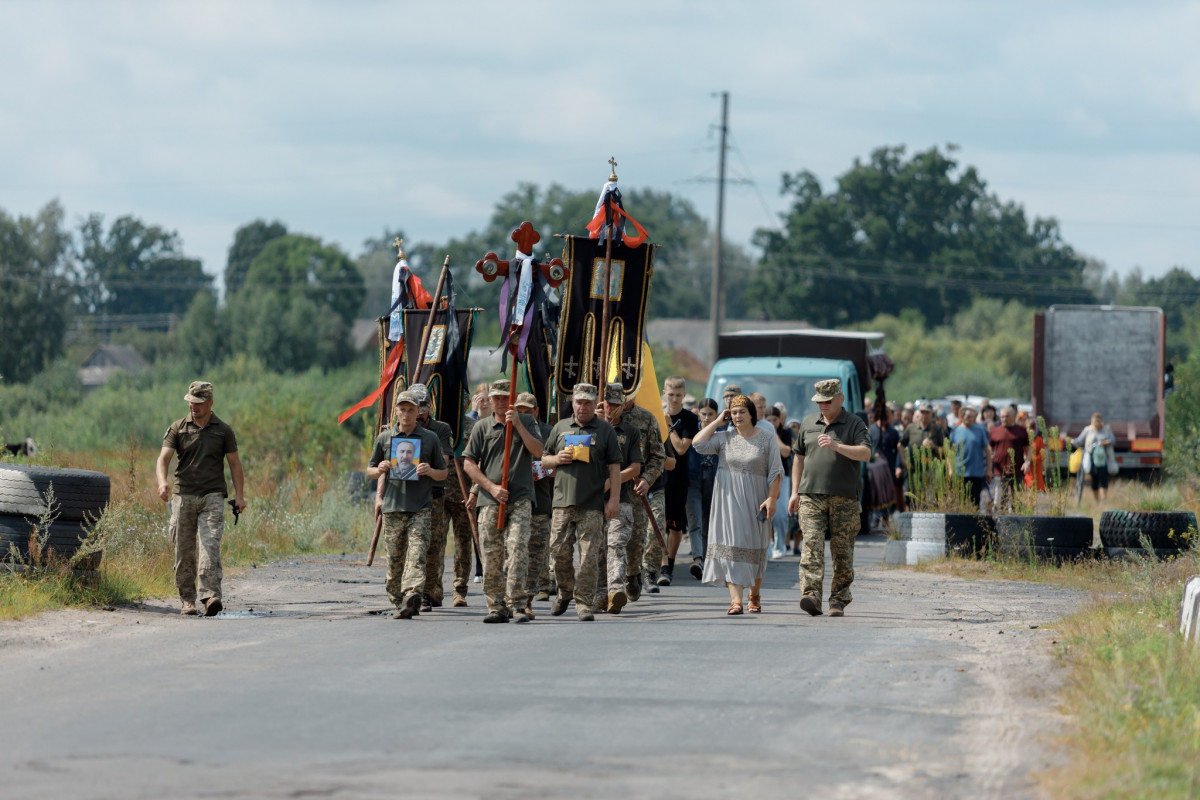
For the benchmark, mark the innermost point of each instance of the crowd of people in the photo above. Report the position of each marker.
(592, 511)
(994, 451)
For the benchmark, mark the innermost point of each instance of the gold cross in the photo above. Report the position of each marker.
(612, 175)
(397, 243)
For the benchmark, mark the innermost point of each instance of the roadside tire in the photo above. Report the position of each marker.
(1016, 534)
(63, 539)
(1166, 530)
(78, 493)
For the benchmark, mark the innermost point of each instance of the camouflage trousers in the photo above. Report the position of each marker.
(538, 574)
(840, 517)
(614, 554)
(585, 525)
(435, 553)
(197, 525)
(505, 555)
(446, 510)
(646, 541)
(407, 537)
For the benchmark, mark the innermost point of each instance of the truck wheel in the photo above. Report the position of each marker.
(1166, 530)
(78, 493)
(63, 538)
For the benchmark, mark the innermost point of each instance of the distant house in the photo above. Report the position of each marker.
(106, 361)
(364, 335)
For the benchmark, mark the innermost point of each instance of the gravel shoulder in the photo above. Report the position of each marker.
(931, 686)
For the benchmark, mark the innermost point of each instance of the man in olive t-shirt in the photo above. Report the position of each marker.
(826, 483)
(406, 505)
(582, 450)
(505, 550)
(611, 593)
(203, 443)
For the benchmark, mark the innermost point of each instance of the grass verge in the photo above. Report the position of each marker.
(1133, 686)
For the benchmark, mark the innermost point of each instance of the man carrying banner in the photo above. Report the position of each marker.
(406, 506)
(610, 587)
(543, 507)
(433, 592)
(583, 451)
(653, 457)
(505, 551)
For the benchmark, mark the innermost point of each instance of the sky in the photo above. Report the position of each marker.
(346, 119)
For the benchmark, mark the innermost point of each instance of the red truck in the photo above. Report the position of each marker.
(1110, 359)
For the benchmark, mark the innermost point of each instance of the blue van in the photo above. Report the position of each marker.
(783, 365)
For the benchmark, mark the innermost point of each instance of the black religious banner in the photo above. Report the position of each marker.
(443, 367)
(578, 358)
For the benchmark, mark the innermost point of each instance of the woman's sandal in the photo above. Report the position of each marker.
(755, 604)
(734, 609)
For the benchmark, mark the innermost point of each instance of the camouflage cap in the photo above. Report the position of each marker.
(420, 392)
(584, 391)
(826, 390)
(500, 387)
(731, 390)
(199, 392)
(614, 393)
(526, 400)
(925, 407)
(407, 397)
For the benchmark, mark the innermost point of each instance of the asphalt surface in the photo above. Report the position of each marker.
(929, 687)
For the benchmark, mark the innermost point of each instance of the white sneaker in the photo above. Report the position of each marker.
(776, 554)
(477, 579)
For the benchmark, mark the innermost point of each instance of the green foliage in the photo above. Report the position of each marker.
(934, 486)
(136, 268)
(985, 349)
(909, 233)
(35, 291)
(1181, 448)
(202, 335)
(248, 241)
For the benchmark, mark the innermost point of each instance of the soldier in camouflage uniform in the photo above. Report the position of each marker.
(543, 506)
(406, 506)
(582, 450)
(505, 550)
(610, 585)
(435, 556)
(653, 458)
(826, 470)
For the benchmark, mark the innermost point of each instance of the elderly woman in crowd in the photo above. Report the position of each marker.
(744, 498)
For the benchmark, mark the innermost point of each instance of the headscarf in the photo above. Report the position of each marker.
(741, 401)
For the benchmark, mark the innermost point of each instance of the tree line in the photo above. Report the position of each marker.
(895, 234)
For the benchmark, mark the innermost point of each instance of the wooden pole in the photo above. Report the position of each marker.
(508, 428)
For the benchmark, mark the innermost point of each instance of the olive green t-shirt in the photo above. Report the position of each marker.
(581, 483)
(486, 449)
(827, 472)
(408, 495)
(629, 442)
(200, 469)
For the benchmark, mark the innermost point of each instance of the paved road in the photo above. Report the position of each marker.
(929, 687)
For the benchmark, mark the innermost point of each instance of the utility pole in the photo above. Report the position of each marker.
(717, 303)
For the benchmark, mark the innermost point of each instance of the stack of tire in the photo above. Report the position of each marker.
(1044, 538)
(1168, 533)
(79, 498)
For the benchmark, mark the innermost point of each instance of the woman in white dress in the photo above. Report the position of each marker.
(743, 502)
